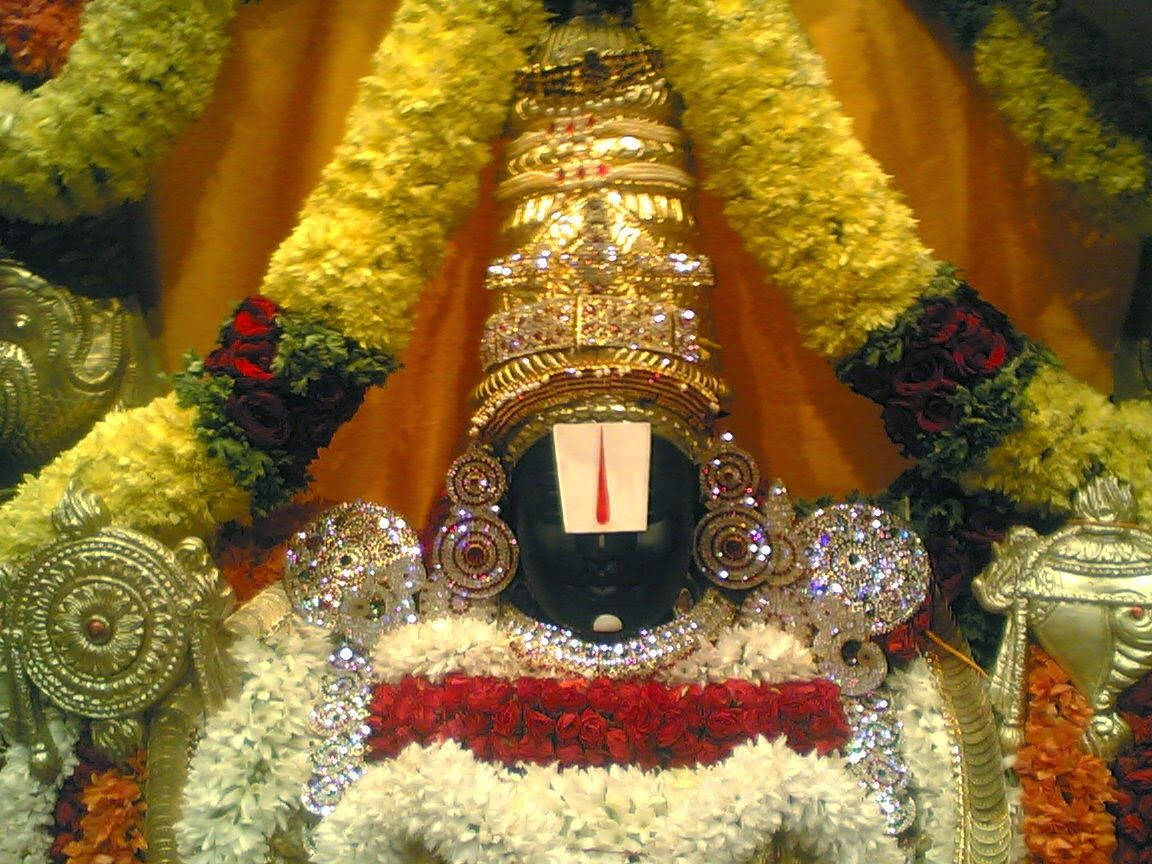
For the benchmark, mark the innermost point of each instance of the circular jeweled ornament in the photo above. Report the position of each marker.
(729, 475)
(848, 657)
(355, 570)
(786, 563)
(476, 553)
(476, 479)
(102, 616)
(732, 547)
(867, 559)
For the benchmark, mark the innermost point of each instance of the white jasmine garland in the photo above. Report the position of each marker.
(757, 652)
(27, 805)
(465, 810)
(247, 775)
(927, 743)
(245, 778)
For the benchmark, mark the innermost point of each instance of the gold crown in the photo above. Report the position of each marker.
(600, 294)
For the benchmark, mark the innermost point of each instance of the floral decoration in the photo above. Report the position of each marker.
(824, 222)
(111, 829)
(371, 234)
(69, 802)
(407, 170)
(251, 557)
(471, 812)
(577, 722)
(88, 138)
(37, 35)
(274, 393)
(949, 375)
(927, 745)
(150, 470)
(26, 804)
(252, 762)
(1065, 790)
(1070, 96)
(812, 206)
(1133, 773)
(245, 777)
(959, 529)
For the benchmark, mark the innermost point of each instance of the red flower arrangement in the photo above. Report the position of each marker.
(956, 343)
(274, 392)
(262, 403)
(1133, 773)
(579, 722)
(38, 34)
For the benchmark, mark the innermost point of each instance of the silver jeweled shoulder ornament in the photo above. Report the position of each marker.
(354, 571)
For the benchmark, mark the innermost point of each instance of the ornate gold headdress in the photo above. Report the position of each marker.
(601, 298)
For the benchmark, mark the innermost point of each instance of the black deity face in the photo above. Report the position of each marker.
(635, 576)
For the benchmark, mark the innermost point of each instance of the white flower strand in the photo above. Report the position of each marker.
(758, 652)
(926, 745)
(245, 778)
(26, 805)
(246, 775)
(469, 811)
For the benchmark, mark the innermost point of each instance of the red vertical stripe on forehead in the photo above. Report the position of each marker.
(603, 505)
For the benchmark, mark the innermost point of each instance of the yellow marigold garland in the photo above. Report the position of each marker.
(1068, 432)
(821, 217)
(87, 139)
(370, 236)
(148, 467)
(1065, 790)
(813, 207)
(1071, 130)
(407, 170)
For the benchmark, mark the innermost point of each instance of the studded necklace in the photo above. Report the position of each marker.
(551, 647)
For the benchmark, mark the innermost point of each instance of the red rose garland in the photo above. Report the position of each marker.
(273, 393)
(579, 722)
(948, 375)
(958, 530)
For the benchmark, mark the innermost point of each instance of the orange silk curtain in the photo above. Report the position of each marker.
(230, 191)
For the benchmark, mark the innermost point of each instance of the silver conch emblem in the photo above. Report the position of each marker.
(1085, 594)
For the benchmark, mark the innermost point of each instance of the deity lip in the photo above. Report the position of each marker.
(601, 592)
(606, 623)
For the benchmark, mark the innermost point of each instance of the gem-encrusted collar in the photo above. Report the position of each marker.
(554, 648)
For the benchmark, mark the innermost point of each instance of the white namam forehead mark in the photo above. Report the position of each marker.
(603, 471)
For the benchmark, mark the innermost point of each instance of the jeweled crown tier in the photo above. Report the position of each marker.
(600, 294)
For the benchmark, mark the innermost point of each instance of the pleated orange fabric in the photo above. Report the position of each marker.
(230, 191)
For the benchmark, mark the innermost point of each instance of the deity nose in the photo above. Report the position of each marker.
(600, 546)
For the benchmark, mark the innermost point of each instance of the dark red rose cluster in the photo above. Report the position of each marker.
(578, 722)
(270, 415)
(1133, 772)
(958, 342)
